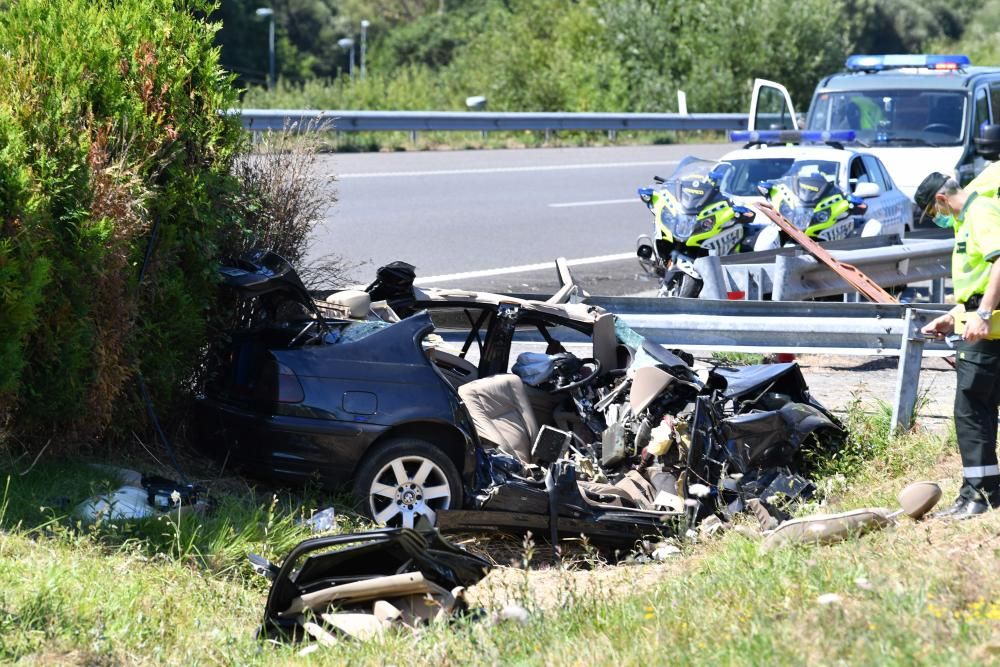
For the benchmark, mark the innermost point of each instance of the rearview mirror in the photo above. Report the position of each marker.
(867, 190)
(988, 142)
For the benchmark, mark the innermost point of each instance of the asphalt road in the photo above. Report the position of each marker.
(481, 214)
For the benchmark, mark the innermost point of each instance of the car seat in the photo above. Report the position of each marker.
(503, 418)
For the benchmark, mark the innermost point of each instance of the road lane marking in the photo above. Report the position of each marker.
(501, 170)
(597, 202)
(486, 273)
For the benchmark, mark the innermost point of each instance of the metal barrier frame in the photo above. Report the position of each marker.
(343, 120)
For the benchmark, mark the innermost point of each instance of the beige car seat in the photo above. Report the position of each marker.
(503, 417)
(502, 414)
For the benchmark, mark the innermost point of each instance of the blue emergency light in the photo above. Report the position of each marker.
(791, 136)
(896, 61)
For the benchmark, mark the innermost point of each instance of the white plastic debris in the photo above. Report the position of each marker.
(128, 502)
(699, 490)
(829, 598)
(668, 501)
(512, 613)
(665, 550)
(322, 521)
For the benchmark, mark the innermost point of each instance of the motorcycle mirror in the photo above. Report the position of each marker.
(659, 179)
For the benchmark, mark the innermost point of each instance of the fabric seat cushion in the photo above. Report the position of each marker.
(502, 414)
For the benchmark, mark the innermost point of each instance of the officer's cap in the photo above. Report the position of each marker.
(928, 188)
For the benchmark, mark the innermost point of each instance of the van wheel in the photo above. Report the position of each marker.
(405, 479)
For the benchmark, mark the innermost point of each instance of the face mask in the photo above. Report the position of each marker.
(946, 221)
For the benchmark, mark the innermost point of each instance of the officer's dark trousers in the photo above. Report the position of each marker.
(976, 399)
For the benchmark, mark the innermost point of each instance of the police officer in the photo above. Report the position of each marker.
(976, 281)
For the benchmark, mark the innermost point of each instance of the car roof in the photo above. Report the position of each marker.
(573, 312)
(902, 79)
(796, 152)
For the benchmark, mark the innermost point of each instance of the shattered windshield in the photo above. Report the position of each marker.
(646, 353)
(355, 331)
(893, 117)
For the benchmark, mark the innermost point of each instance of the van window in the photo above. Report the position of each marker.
(772, 111)
(981, 110)
(995, 101)
(893, 117)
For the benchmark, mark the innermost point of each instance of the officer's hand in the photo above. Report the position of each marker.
(940, 326)
(976, 329)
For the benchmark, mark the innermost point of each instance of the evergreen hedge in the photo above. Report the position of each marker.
(109, 127)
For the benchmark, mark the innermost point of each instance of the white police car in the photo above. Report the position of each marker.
(769, 155)
(917, 113)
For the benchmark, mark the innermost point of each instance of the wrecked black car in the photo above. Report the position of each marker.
(471, 410)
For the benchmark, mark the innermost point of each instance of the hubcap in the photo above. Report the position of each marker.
(406, 488)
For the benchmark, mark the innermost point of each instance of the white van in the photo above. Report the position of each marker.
(917, 113)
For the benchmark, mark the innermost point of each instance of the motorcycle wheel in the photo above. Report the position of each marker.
(681, 285)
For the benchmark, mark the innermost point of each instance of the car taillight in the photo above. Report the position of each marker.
(288, 386)
(278, 384)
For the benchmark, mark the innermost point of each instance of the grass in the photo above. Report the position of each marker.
(159, 592)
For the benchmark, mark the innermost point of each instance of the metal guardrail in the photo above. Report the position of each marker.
(799, 327)
(799, 277)
(769, 326)
(341, 120)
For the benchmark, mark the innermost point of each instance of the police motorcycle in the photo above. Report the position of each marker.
(810, 199)
(692, 218)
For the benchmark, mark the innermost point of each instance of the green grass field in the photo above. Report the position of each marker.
(162, 592)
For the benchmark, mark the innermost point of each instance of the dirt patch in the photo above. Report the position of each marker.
(837, 382)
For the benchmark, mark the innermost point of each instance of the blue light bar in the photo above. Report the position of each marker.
(877, 63)
(791, 136)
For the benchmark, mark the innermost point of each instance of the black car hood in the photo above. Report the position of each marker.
(261, 272)
(746, 379)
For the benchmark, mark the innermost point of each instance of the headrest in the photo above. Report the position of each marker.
(354, 303)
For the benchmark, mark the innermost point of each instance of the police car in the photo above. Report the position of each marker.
(769, 155)
(917, 113)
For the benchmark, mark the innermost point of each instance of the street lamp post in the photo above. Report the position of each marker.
(267, 12)
(364, 44)
(347, 44)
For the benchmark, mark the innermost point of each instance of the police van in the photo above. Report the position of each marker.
(917, 113)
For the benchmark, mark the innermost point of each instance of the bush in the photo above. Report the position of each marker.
(109, 129)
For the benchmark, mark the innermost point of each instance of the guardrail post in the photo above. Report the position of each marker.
(413, 136)
(785, 275)
(713, 278)
(937, 290)
(908, 376)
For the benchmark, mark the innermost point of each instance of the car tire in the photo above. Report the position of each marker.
(404, 479)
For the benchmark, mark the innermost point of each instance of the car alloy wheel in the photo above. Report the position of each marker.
(407, 487)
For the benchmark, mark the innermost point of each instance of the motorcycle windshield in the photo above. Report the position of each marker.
(692, 167)
(807, 183)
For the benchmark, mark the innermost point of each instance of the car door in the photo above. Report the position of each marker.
(771, 107)
(891, 207)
